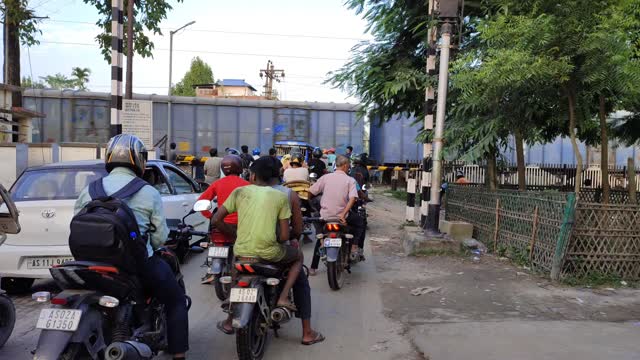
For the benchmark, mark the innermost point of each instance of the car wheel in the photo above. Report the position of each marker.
(16, 285)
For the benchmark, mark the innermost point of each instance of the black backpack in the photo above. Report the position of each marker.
(106, 230)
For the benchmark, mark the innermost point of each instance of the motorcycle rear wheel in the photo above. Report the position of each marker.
(222, 290)
(335, 273)
(7, 319)
(251, 341)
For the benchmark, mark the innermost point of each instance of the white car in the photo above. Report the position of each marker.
(45, 198)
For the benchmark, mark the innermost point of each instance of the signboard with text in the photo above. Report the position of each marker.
(137, 119)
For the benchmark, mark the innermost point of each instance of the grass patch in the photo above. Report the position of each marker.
(598, 279)
(437, 252)
(399, 194)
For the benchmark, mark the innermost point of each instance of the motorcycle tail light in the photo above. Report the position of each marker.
(333, 227)
(333, 235)
(41, 296)
(273, 281)
(225, 280)
(243, 284)
(59, 301)
(108, 301)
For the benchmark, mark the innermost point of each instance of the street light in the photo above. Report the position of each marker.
(171, 33)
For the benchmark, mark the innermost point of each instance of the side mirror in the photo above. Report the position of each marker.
(9, 223)
(202, 205)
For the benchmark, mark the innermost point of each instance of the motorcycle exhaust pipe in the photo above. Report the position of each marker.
(128, 350)
(281, 315)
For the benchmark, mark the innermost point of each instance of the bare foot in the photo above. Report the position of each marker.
(312, 272)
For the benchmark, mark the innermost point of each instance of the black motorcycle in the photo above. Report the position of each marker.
(9, 224)
(335, 252)
(104, 313)
(180, 238)
(253, 304)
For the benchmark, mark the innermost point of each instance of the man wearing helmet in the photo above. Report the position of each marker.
(256, 154)
(359, 170)
(316, 165)
(232, 168)
(296, 172)
(126, 158)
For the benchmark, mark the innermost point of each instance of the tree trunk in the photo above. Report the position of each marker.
(522, 184)
(130, 20)
(492, 170)
(12, 59)
(604, 151)
(631, 181)
(571, 96)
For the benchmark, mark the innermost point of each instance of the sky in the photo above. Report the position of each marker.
(309, 38)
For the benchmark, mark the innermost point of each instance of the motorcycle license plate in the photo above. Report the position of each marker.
(59, 319)
(332, 242)
(242, 295)
(218, 252)
(46, 262)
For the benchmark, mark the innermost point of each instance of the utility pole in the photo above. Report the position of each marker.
(169, 110)
(270, 74)
(116, 66)
(131, 18)
(448, 14)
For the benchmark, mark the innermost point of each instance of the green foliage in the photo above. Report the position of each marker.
(199, 73)
(28, 83)
(16, 12)
(81, 77)
(148, 16)
(594, 279)
(78, 80)
(399, 194)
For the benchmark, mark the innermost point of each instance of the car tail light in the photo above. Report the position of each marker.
(108, 301)
(41, 296)
(59, 301)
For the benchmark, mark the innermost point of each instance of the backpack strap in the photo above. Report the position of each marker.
(96, 190)
(130, 189)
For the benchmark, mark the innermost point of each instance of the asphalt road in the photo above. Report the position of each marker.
(351, 319)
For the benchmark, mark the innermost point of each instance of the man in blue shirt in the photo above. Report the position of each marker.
(126, 158)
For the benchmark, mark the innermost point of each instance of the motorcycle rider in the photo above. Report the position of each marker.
(339, 194)
(296, 172)
(359, 170)
(232, 168)
(256, 153)
(259, 208)
(126, 158)
(246, 158)
(316, 165)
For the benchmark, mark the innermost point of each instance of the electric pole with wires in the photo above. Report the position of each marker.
(270, 74)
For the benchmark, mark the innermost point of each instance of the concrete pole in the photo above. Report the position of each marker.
(116, 66)
(433, 216)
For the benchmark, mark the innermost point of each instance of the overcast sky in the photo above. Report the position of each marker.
(326, 30)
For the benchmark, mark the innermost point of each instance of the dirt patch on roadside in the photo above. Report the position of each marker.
(490, 289)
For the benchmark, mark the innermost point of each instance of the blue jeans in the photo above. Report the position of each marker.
(162, 285)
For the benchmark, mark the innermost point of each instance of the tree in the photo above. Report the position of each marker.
(29, 83)
(199, 73)
(81, 77)
(59, 81)
(148, 14)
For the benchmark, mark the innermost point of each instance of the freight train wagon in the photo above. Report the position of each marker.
(199, 123)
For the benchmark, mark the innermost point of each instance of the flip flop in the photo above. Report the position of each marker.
(290, 307)
(220, 326)
(318, 339)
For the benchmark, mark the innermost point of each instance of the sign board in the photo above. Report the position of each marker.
(137, 119)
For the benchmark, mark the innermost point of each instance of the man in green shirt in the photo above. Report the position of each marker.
(260, 209)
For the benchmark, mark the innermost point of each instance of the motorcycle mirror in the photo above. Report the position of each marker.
(202, 205)
(313, 176)
(9, 223)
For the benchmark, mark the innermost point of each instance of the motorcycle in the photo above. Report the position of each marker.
(253, 298)
(335, 251)
(306, 205)
(180, 234)
(104, 313)
(219, 259)
(9, 224)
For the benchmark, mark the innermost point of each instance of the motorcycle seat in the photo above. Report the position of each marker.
(257, 266)
(98, 276)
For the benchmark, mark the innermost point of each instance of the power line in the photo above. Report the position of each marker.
(212, 52)
(307, 36)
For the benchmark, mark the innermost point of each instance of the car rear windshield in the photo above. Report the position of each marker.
(54, 184)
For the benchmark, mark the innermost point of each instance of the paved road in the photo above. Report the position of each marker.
(351, 320)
